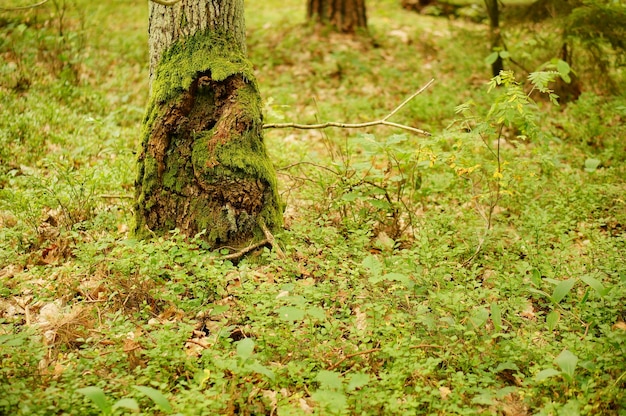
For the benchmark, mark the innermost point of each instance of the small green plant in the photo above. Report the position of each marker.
(479, 155)
(381, 184)
(100, 400)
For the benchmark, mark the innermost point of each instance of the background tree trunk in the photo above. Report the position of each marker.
(345, 15)
(203, 166)
(494, 30)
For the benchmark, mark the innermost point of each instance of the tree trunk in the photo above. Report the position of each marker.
(496, 38)
(344, 15)
(203, 166)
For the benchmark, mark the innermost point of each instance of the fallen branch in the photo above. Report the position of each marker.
(270, 239)
(239, 254)
(32, 6)
(383, 121)
(338, 363)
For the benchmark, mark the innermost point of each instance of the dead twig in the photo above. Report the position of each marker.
(239, 254)
(270, 238)
(338, 363)
(383, 121)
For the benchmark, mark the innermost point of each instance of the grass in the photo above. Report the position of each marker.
(382, 305)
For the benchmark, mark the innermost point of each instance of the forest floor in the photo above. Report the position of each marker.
(466, 272)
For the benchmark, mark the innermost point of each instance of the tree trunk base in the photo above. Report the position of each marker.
(203, 167)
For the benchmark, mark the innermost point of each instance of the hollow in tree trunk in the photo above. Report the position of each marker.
(203, 166)
(345, 15)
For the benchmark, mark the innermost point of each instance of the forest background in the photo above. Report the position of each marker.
(478, 270)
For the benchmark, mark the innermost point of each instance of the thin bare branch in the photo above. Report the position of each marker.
(270, 238)
(338, 363)
(380, 122)
(32, 6)
(239, 254)
(405, 102)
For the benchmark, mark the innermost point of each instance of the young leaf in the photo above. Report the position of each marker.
(592, 164)
(157, 397)
(547, 373)
(329, 380)
(97, 396)
(245, 348)
(594, 284)
(552, 319)
(567, 363)
(491, 58)
(372, 264)
(126, 403)
(261, 369)
(290, 313)
(357, 380)
(496, 317)
(562, 289)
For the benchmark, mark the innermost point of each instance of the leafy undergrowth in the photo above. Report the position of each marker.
(469, 272)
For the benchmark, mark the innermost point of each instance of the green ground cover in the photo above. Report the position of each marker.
(450, 274)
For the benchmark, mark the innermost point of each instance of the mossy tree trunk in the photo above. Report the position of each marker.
(203, 166)
(345, 15)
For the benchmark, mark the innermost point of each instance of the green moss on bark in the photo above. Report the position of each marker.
(203, 164)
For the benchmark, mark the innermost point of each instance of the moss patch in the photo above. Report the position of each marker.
(203, 164)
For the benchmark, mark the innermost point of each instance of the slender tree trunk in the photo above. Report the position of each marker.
(203, 166)
(345, 15)
(494, 30)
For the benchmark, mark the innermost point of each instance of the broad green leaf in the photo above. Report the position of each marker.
(357, 380)
(485, 398)
(563, 67)
(567, 363)
(350, 196)
(535, 277)
(218, 309)
(552, 319)
(332, 400)
(571, 408)
(97, 396)
(562, 289)
(126, 403)
(506, 366)
(261, 369)
(397, 277)
(594, 284)
(504, 54)
(329, 380)
(492, 58)
(372, 264)
(316, 312)
(245, 348)
(157, 397)
(544, 374)
(496, 317)
(290, 313)
(479, 317)
(380, 204)
(592, 164)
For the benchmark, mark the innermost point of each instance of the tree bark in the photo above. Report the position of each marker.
(344, 15)
(494, 30)
(203, 166)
